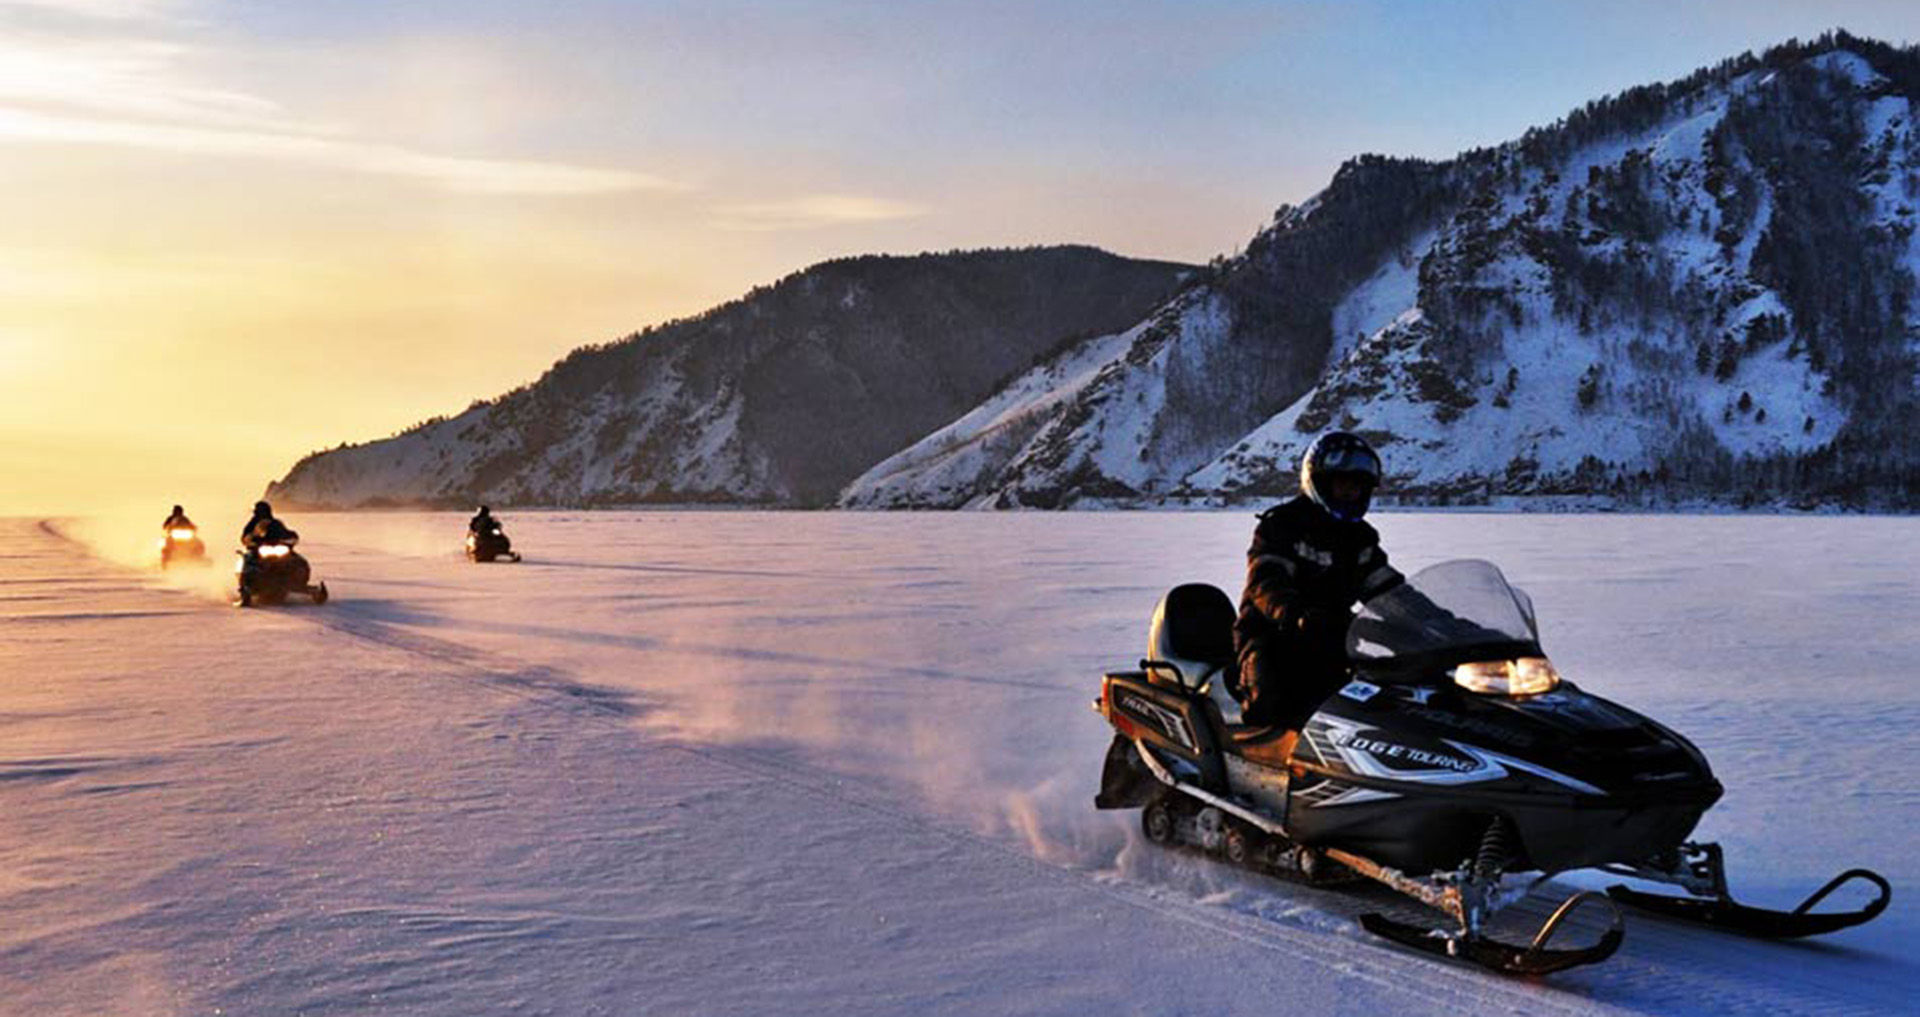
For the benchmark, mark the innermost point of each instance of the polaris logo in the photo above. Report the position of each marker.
(1390, 750)
(1168, 722)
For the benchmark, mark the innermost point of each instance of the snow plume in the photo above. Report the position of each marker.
(132, 538)
(855, 644)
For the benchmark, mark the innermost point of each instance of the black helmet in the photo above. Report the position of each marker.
(485, 511)
(261, 508)
(178, 511)
(1338, 453)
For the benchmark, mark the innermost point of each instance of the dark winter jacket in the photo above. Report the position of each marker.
(1305, 572)
(178, 519)
(268, 530)
(483, 523)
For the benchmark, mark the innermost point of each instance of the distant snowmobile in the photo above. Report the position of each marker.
(1456, 755)
(489, 544)
(271, 571)
(181, 545)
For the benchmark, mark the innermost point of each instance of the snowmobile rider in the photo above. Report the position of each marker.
(261, 510)
(263, 528)
(1312, 559)
(178, 520)
(482, 522)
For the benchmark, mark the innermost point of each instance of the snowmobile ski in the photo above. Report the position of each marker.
(1700, 868)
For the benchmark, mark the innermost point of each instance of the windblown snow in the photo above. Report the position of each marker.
(748, 763)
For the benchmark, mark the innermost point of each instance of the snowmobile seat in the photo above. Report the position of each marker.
(1270, 746)
(1192, 631)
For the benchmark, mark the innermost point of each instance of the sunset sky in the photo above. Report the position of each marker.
(233, 232)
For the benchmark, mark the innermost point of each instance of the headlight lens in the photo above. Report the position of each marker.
(274, 550)
(182, 533)
(1527, 676)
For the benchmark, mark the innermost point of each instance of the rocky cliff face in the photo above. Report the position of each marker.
(1694, 291)
(781, 397)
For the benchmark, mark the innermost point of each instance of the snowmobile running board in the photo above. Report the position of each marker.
(1469, 944)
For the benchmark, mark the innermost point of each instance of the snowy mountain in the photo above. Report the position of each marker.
(782, 397)
(1695, 291)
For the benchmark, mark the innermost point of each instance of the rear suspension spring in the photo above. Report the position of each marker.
(1496, 850)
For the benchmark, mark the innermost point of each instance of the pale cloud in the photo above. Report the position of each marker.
(813, 211)
(143, 93)
(111, 10)
(122, 77)
(474, 176)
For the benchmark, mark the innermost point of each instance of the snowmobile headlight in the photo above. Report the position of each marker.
(274, 550)
(1527, 676)
(181, 533)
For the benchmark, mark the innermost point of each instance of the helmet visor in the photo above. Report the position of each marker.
(1351, 459)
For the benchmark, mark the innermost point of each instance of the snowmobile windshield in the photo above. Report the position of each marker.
(1453, 611)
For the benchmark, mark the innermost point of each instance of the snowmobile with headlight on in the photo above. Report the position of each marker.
(181, 545)
(270, 570)
(490, 544)
(1454, 757)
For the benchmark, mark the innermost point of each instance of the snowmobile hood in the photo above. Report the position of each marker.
(1404, 722)
(1567, 742)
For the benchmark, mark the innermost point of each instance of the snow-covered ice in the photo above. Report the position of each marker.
(781, 763)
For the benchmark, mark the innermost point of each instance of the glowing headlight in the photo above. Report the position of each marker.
(274, 551)
(470, 541)
(182, 533)
(1527, 676)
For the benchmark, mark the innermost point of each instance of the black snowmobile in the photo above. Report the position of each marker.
(181, 545)
(272, 570)
(1455, 755)
(490, 544)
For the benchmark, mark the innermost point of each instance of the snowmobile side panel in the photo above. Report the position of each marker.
(1167, 719)
(1411, 776)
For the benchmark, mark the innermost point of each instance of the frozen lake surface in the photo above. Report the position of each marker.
(780, 763)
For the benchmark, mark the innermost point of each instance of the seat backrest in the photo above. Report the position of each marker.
(1193, 630)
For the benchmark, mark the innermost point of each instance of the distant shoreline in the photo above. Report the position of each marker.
(1501, 505)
